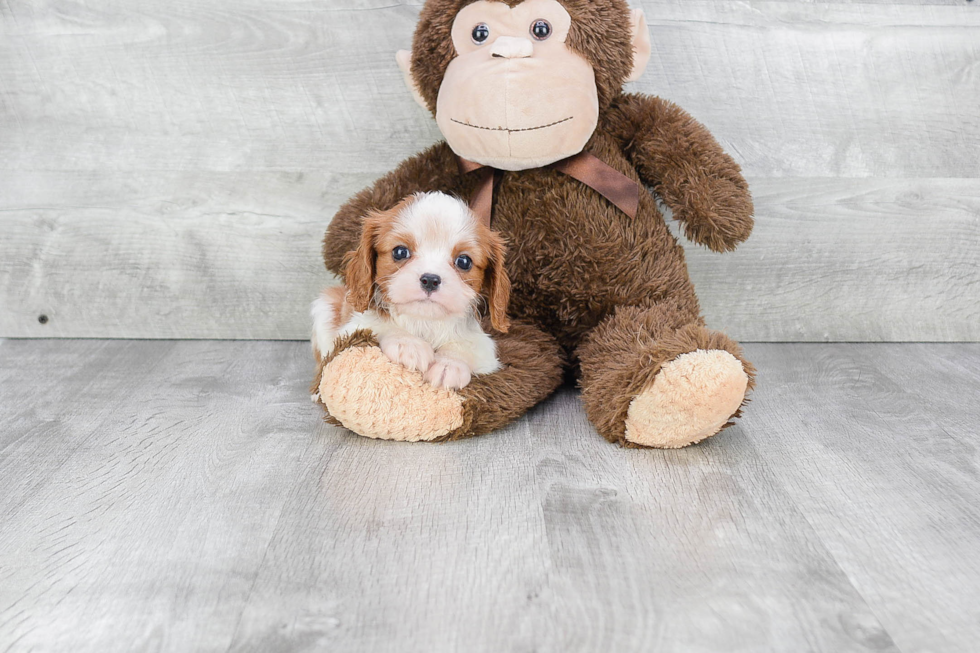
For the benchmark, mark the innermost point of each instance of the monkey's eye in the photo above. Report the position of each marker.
(541, 29)
(481, 33)
(464, 262)
(400, 253)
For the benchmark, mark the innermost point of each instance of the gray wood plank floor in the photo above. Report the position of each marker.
(181, 496)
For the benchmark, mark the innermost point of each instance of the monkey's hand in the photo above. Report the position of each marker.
(684, 164)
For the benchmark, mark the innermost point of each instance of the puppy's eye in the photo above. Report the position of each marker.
(481, 33)
(540, 29)
(464, 262)
(400, 253)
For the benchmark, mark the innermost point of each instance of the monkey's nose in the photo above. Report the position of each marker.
(430, 282)
(512, 47)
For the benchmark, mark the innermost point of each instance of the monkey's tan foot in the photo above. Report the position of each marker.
(691, 398)
(371, 395)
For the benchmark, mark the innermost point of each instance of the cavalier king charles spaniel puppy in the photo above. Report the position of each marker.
(417, 281)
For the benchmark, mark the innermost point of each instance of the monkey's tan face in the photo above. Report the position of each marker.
(516, 96)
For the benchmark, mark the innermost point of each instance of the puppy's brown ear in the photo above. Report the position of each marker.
(498, 284)
(361, 266)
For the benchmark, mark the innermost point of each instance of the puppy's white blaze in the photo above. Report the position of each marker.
(438, 221)
(323, 320)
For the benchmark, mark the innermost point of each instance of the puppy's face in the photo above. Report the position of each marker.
(429, 258)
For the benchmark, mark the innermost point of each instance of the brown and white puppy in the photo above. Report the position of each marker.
(416, 281)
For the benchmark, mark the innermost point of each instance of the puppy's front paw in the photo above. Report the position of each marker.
(409, 351)
(447, 372)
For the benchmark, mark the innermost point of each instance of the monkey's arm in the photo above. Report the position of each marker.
(683, 162)
(433, 169)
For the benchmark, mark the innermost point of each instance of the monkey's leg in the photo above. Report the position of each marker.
(653, 378)
(364, 391)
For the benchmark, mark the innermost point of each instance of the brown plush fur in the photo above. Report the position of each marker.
(612, 291)
(531, 371)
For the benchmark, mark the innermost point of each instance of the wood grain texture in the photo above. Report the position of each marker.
(168, 168)
(235, 255)
(886, 470)
(186, 496)
(146, 488)
(792, 89)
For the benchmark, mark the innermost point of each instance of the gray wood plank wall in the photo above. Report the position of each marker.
(166, 169)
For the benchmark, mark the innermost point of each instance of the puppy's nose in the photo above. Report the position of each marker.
(430, 282)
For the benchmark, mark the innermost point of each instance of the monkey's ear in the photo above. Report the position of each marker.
(404, 59)
(641, 44)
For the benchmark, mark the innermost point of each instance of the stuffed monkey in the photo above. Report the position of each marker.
(541, 139)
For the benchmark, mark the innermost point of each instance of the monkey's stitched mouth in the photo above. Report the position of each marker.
(504, 129)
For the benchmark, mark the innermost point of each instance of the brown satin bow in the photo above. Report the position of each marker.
(584, 166)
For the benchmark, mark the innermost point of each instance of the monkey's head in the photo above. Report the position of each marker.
(518, 85)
